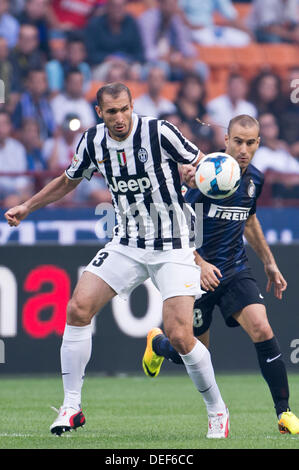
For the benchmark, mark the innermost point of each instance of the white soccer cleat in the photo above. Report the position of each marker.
(67, 419)
(218, 425)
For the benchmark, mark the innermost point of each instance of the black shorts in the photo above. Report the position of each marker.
(230, 296)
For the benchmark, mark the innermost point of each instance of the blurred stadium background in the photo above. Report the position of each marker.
(197, 62)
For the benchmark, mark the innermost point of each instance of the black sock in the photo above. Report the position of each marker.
(162, 347)
(274, 372)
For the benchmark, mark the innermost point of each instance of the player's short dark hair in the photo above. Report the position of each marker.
(243, 120)
(114, 89)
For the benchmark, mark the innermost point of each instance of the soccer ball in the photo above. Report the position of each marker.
(218, 175)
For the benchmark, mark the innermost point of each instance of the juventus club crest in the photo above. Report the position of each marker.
(121, 157)
(142, 155)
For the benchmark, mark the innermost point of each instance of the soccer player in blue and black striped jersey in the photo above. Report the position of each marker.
(225, 274)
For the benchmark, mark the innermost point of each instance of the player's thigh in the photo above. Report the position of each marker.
(90, 295)
(111, 272)
(236, 295)
(253, 319)
(121, 267)
(175, 273)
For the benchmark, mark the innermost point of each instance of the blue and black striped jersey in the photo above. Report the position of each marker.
(224, 223)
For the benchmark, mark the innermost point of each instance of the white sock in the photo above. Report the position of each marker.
(200, 369)
(74, 353)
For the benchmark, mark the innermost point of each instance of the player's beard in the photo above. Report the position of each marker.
(123, 134)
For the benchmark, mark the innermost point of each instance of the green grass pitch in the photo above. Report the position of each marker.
(142, 413)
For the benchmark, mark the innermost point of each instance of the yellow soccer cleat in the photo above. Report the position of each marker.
(288, 423)
(151, 362)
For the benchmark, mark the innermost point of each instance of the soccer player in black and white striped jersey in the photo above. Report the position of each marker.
(138, 157)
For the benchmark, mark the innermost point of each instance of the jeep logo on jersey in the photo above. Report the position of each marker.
(228, 213)
(125, 184)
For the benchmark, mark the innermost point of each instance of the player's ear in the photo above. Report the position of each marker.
(226, 139)
(258, 141)
(98, 111)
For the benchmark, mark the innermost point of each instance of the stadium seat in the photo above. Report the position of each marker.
(216, 56)
(137, 89)
(281, 56)
(250, 59)
(215, 88)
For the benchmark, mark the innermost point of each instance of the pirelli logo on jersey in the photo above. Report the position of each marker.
(228, 213)
(129, 184)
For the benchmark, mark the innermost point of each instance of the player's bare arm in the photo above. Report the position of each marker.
(53, 191)
(188, 171)
(210, 274)
(254, 235)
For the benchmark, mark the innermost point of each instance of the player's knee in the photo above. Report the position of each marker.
(261, 331)
(180, 340)
(77, 314)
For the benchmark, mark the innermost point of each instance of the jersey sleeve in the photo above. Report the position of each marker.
(176, 146)
(81, 165)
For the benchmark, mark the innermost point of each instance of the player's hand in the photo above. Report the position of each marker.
(210, 275)
(16, 214)
(188, 175)
(276, 279)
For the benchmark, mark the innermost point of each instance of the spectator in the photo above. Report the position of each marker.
(59, 152)
(190, 101)
(72, 55)
(16, 6)
(118, 70)
(223, 108)
(59, 149)
(176, 120)
(72, 100)
(72, 15)
(153, 103)
(273, 153)
(13, 189)
(55, 65)
(26, 55)
(266, 93)
(167, 41)
(275, 21)
(7, 73)
(30, 138)
(9, 26)
(36, 14)
(113, 34)
(199, 17)
(34, 103)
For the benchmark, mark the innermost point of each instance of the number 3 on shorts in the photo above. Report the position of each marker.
(99, 260)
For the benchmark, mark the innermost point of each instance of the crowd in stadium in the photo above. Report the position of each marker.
(53, 52)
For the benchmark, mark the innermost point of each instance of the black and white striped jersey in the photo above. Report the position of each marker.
(142, 175)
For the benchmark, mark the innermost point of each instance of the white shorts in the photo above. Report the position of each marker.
(123, 268)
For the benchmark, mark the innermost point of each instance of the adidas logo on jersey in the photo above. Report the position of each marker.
(122, 185)
(228, 213)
